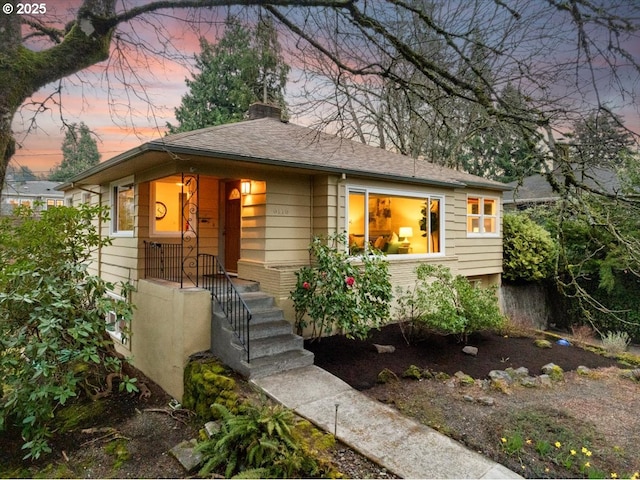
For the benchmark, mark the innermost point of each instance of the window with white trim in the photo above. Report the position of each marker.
(115, 325)
(394, 222)
(482, 215)
(122, 209)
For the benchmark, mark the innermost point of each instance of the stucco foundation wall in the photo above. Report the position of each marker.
(169, 324)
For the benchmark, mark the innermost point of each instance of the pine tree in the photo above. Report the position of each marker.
(79, 152)
(245, 66)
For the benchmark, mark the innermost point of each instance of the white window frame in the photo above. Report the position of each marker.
(481, 215)
(398, 193)
(114, 189)
(117, 333)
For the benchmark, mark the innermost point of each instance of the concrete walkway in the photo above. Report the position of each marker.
(398, 443)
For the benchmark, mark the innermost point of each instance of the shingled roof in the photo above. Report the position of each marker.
(274, 142)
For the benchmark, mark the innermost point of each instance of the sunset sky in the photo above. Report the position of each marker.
(125, 118)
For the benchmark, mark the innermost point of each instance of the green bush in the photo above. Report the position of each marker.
(350, 294)
(257, 442)
(529, 252)
(448, 304)
(53, 343)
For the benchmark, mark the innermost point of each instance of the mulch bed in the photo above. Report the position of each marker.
(358, 362)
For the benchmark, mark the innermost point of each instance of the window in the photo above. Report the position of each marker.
(173, 206)
(116, 326)
(482, 216)
(122, 209)
(394, 223)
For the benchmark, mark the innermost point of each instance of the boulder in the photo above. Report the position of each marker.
(469, 350)
(186, 454)
(384, 348)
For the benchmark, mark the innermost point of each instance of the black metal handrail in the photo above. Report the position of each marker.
(216, 279)
(163, 261)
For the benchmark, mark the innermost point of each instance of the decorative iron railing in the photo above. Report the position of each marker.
(165, 261)
(216, 279)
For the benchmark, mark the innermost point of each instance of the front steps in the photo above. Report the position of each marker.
(273, 346)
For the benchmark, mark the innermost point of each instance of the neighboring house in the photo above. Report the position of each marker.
(250, 196)
(39, 194)
(536, 189)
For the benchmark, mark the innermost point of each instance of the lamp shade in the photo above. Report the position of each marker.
(245, 186)
(405, 232)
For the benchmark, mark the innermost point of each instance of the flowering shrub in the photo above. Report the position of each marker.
(338, 292)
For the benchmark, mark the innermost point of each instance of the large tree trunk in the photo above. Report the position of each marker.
(23, 72)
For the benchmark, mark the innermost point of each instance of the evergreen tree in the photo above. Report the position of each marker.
(79, 152)
(245, 66)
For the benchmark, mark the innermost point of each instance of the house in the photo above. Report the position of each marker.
(230, 211)
(39, 194)
(537, 190)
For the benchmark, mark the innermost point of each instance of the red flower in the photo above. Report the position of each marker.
(306, 285)
(349, 281)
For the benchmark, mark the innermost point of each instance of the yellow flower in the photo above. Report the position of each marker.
(503, 440)
(573, 452)
(614, 475)
(523, 467)
(558, 444)
(635, 475)
(529, 442)
(588, 453)
(546, 470)
(587, 465)
(584, 450)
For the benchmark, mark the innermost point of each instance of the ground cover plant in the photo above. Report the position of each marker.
(53, 343)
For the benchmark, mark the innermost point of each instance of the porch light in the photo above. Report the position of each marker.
(245, 187)
(404, 233)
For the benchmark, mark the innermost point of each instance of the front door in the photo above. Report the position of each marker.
(231, 229)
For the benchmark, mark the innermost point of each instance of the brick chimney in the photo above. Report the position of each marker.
(264, 110)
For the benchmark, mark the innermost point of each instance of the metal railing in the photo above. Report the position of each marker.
(216, 279)
(164, 261)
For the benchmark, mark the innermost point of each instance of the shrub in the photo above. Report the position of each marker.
(449, 304)
(615, 342)
(259, 442)
(341, 292)
(53, 343)
(528, 250)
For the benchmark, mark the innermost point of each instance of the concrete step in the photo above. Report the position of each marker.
(264, 366)
(258, 300)
(268, 329)
(243, 286)
(263, 347)
(266, 315)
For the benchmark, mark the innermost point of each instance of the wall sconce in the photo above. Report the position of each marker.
(404, 233)
(245, 187)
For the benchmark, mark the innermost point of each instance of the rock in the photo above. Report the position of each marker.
(412, 372)
(544, 380)
(540, 343)
(473, 351)
(386, 376)
(468, 398)
(185, 453)
(487, 401)
(529, 382)
(464, 379)
(554, 371)
(582, 370)
(212, 428)
(384, 348)
(631, 374)
(500, 375)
